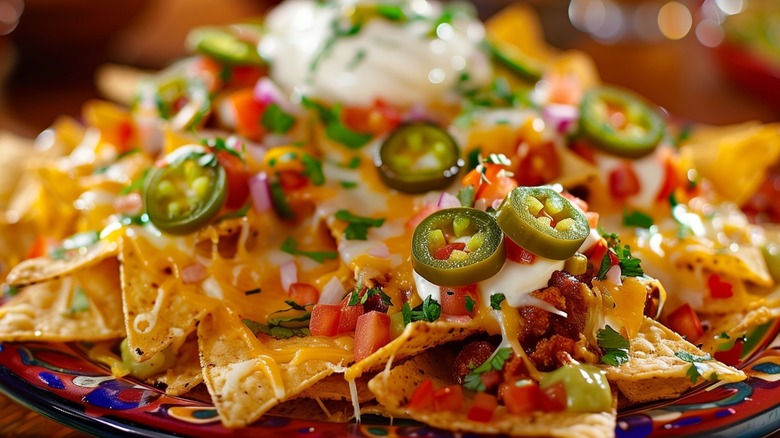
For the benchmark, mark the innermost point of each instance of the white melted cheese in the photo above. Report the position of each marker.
(426, 289)
(515, 280)
(397, 62)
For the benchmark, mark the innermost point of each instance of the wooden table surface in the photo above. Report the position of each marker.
(680, 75)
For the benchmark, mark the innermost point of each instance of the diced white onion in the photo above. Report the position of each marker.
(288, 273)
(333, 292)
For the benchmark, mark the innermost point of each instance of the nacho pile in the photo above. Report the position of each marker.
(390, 207)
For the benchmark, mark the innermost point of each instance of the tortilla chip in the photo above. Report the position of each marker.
(746, 263)
(158, 307)
(80, 307)
(417, 337)
(335, 387)
(185, 373)
(734, 325)
(393, 389)
(575, 171)
(33, 271)
(246, 377)
(653, 372)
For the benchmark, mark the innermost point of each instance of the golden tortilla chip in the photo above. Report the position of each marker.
(84, 306)
(185, 374)
(417, 337)
(246, 377)
(655, 372)
(393, 389)
(40, 269)
(158, 307)
(734, 325)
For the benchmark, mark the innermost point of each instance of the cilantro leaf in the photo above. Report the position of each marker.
(466, 196)
(348, 184)
(473, 380)
(615, 346)
(496, 300)
(357, 228)
(470, 304)
(335, 129)
(276, 331)
(376, 291)
(629, 266)
(277, 121)
(312, 168)
(406, 312)
(429, 310)
(693, 371)
(290, 246)
(637, 219)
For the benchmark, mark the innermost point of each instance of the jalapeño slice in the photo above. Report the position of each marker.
(224, 44)
(418, 157)
(457, 247)
(186, 194)
(543, 222)
(620, 122)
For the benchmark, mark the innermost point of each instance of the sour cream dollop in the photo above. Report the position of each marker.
(403, 62)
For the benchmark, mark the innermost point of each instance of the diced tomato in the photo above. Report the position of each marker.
(684, 321)
(597, 252)
(579, 202)
(243, 76)
(483, 407)
(554, 398)
(376, 119)
(491, 379)
(125, 134)
(518, 254)
(247, 112)
(491, 183)
(422, 397)
(521, 399)
(292, 180)
(453, 299)
(40, 247)
(623, 181)
(584, 150)
(448, 399)
(349, 316)
(237, 179)
(445, 251)
(719, 288)
(733, 355)
(325, 319)
(537, 163)
(671, 179)
(304, 293)
(372, 332)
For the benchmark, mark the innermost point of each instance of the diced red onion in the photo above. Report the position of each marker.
(380, 251)
(561, 117)
(481, 204)
(333, 292)
(614, 275)
(194, 273)
(447, 200)
(288, 272)
(261, 194)
(266, 92)
(496, 203)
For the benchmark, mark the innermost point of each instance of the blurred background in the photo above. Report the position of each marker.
(708, 61)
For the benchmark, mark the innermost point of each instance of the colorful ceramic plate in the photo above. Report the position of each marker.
(59, 381)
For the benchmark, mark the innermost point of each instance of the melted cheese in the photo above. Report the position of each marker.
(517, 279)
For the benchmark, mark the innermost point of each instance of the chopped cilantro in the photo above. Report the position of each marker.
(220, 145)
(290, 246)
(637, 219)
(8, 290)
(693, 359)
(312, 168)
(473, 380)
(724, 335)
(276, 120)
(473, 158)
(429, 310)
(470, 304)
(629, 266)
(348, 184)
(391, 12)
(615, 346)
(496, 300)
(278, 332)
(279, 200)
(354, 163)
(357, 228)
(335, 129)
